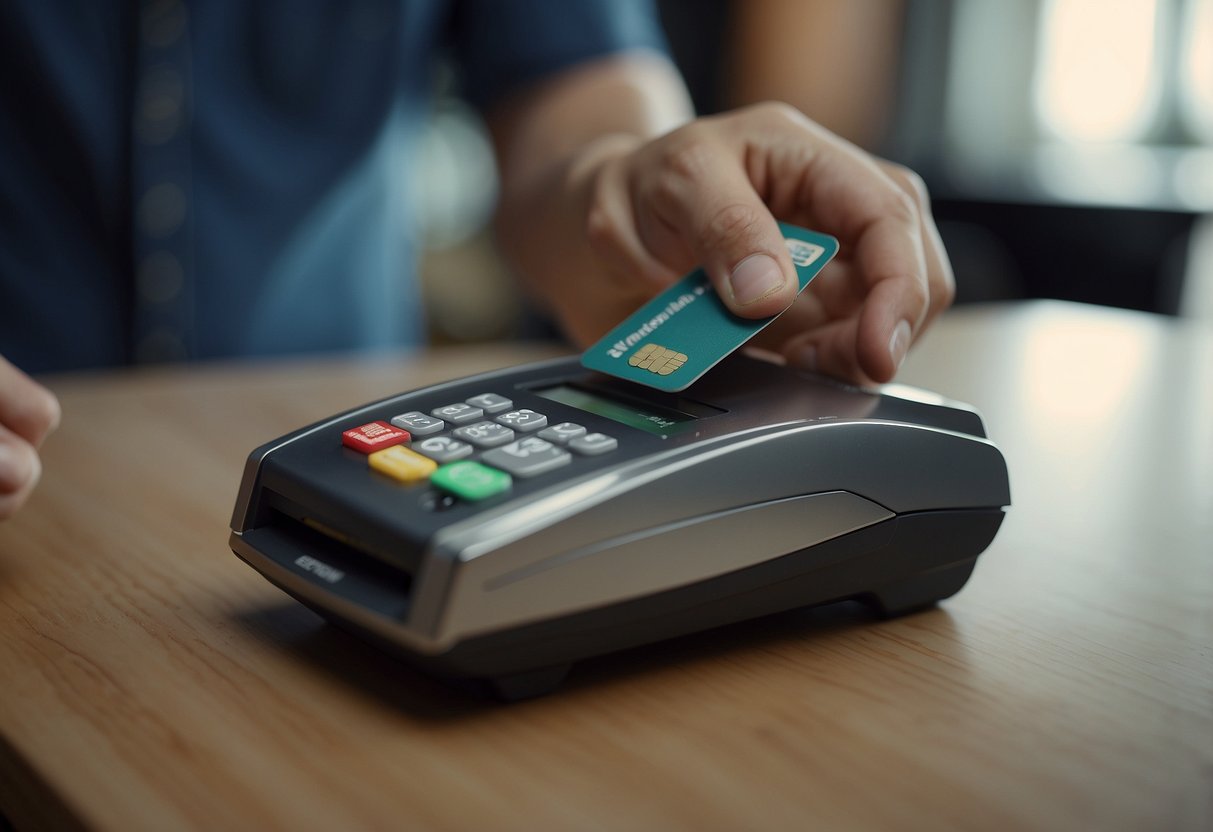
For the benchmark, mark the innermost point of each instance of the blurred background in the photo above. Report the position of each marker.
(1068, 144)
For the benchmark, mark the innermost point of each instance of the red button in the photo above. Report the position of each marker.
(374, 436)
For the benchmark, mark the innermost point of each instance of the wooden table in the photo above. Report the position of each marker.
(150, 680)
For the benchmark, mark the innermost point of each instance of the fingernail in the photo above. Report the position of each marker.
(899, 343)
(754, 278)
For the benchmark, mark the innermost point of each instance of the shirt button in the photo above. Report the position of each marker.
(161, 209)
(160, 277)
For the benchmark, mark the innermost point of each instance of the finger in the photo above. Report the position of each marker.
(887, 326)
(838, 291)
(20, 470)
(941, 281)
(26, 408)
(697, 197)
(806, 314)
(902, 304)
(829, 349)
(892, 259)
(611, 231)
(879, 223)
(845, 290)
(866, 347)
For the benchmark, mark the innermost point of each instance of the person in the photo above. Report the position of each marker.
(28, 413)
(213, 180)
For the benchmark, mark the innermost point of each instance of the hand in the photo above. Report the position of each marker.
(709, 194)
(28, 413)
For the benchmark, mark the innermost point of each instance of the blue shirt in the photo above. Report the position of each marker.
(228, 177)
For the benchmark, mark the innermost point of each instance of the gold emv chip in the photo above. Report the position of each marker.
(657, 359)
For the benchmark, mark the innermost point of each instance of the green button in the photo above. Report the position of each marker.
(471, 480)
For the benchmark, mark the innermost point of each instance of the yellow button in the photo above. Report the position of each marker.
(401, 464)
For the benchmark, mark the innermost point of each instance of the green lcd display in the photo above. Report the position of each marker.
(661, 421)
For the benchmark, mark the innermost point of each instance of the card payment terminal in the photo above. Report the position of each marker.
(502, 526)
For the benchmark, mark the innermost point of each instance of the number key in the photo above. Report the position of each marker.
(443, 448)
(458, 414)
(562, 433)
(417, 423)
(485, 434)
(491, 402)
(593, 444)
(523, 421)
(528, 457)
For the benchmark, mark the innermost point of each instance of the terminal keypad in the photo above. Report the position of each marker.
(475, 448)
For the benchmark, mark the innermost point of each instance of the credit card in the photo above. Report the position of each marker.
(686, 330)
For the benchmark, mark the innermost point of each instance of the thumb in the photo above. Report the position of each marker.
(723, 222)
(743, 252)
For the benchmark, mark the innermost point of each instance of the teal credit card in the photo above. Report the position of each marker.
(686, 330)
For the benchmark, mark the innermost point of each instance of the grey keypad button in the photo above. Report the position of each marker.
(442, 449)
(458, 414)
(417, 423)
(523, 421)
(484, 434)
(593, 444)
(490, 402)
(528, 457)
(562, 433)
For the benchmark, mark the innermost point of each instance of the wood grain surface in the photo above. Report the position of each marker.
(150, 680)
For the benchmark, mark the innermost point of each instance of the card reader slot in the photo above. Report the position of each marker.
(361, 540)
(309, 551)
